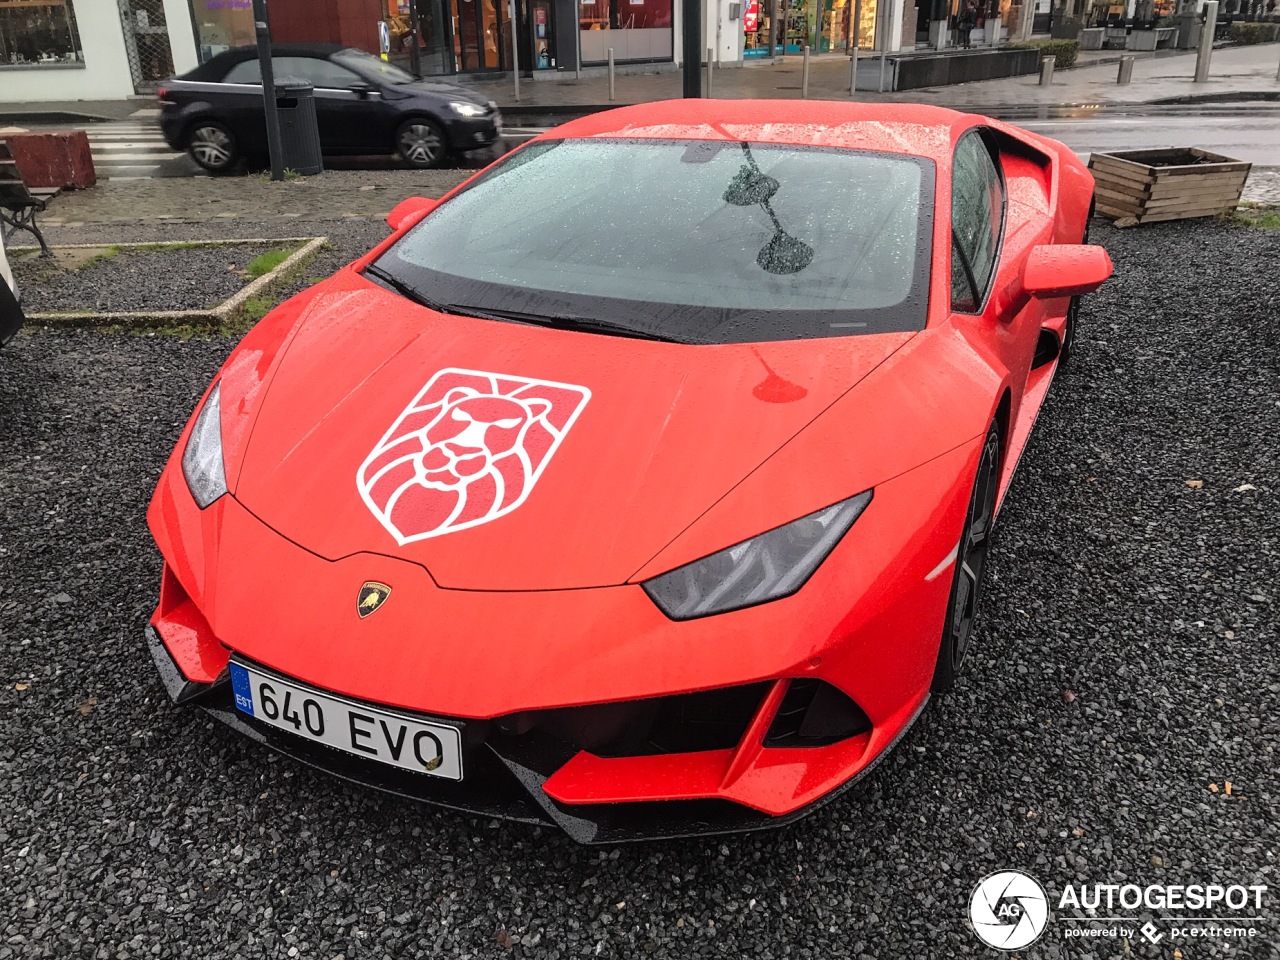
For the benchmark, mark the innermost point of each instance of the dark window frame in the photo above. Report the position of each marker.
(955, 247)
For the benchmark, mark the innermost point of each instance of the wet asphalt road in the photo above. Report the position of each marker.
(1126, 661)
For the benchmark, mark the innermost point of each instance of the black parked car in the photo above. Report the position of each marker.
(363, 106)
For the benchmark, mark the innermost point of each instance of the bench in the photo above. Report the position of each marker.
(1152, 39)
(19, 204)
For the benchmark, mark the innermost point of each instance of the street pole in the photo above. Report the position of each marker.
(415, 58)
(1205, 53)
(853, 48)
(263, 31)
(515, 48)
(691, 30)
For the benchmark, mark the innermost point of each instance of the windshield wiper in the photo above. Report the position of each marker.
(561, 321)
(417, 296)
(555, 320)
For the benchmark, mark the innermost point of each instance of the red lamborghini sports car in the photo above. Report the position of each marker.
(644, 484)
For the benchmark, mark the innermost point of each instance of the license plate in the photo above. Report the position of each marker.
(356, 728)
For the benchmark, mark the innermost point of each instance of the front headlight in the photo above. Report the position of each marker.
(202, 460)
(766, 567)
(467, 109)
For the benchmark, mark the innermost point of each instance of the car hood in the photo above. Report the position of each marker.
(581, 455)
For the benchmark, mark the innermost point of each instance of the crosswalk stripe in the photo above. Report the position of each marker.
(132, 149)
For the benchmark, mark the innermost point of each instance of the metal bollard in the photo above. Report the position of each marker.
(1126, 70)
(1205, 53)
(710, 83)
(611, 90)
(804, 75)
(1046, 70)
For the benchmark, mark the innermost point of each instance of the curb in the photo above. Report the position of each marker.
(211, 316)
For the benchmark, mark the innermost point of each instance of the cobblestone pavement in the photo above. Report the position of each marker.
(1263, 186)
(224, 201)
(256, 206)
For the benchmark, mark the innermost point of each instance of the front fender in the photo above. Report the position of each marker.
(936, 394)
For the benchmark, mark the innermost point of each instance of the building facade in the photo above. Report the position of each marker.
(53, 50)
(92, 49)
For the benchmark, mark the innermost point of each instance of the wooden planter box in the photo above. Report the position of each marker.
(1146, 186)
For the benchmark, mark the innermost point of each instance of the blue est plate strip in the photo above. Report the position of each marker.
(242, 688)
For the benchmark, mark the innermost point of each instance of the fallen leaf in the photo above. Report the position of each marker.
(1195, 484)
(1213, 788)
(1226, 787)
(1244, 487)
(87, 707)
(1068, 696)
(1078, 832)
(1177, 954)
(506, 940)
(1157, 861)
(21, 686)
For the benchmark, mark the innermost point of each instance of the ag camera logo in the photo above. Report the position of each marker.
(1008, 910)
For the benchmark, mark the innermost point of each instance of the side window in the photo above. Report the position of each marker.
(321, 73)
(977, 218)
(246, 71)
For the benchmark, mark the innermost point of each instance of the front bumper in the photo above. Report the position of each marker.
(472, 133)
(506, 776)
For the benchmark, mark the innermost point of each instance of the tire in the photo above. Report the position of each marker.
(1067, 350)
(970, 567)
(421, 143)
(213, 147)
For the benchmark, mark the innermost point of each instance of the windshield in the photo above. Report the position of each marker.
(702, 241)
(370, 64)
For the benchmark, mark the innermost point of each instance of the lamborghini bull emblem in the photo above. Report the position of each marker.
(372, 595)
(468, 449)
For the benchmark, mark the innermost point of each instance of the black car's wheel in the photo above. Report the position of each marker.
(1073, 311)
(213, 147)
(970, 566)
(421, 143)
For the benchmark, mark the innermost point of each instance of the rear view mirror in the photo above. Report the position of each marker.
(1065, 270)
(408, 212)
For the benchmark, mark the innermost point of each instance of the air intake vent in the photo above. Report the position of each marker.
(815, 714)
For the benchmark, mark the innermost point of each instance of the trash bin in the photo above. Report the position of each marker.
(299, 134)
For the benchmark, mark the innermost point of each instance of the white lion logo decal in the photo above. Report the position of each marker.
(467, 450)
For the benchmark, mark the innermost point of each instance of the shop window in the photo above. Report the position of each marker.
(635, 29)
(38, 34)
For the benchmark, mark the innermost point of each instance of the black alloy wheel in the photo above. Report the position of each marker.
(213, 146)
(421, 143)
(970, 566)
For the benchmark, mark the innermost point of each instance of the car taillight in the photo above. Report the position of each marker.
(161, 93)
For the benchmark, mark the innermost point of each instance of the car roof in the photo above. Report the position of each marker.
(907, 128)
(216, 67)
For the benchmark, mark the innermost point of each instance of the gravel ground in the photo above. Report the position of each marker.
(132, 279)
(1127, 660)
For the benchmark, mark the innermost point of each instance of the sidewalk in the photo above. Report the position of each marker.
(1236, 72)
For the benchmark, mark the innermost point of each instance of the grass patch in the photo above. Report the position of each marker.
(266, 262)
(101, 257)
(1265, 218)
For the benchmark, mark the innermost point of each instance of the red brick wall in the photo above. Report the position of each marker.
(350, 22)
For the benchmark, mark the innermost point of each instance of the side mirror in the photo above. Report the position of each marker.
(408, 212)
(1065, 270)
(362, 90)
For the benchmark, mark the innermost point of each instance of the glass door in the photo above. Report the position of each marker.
(481, 37)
